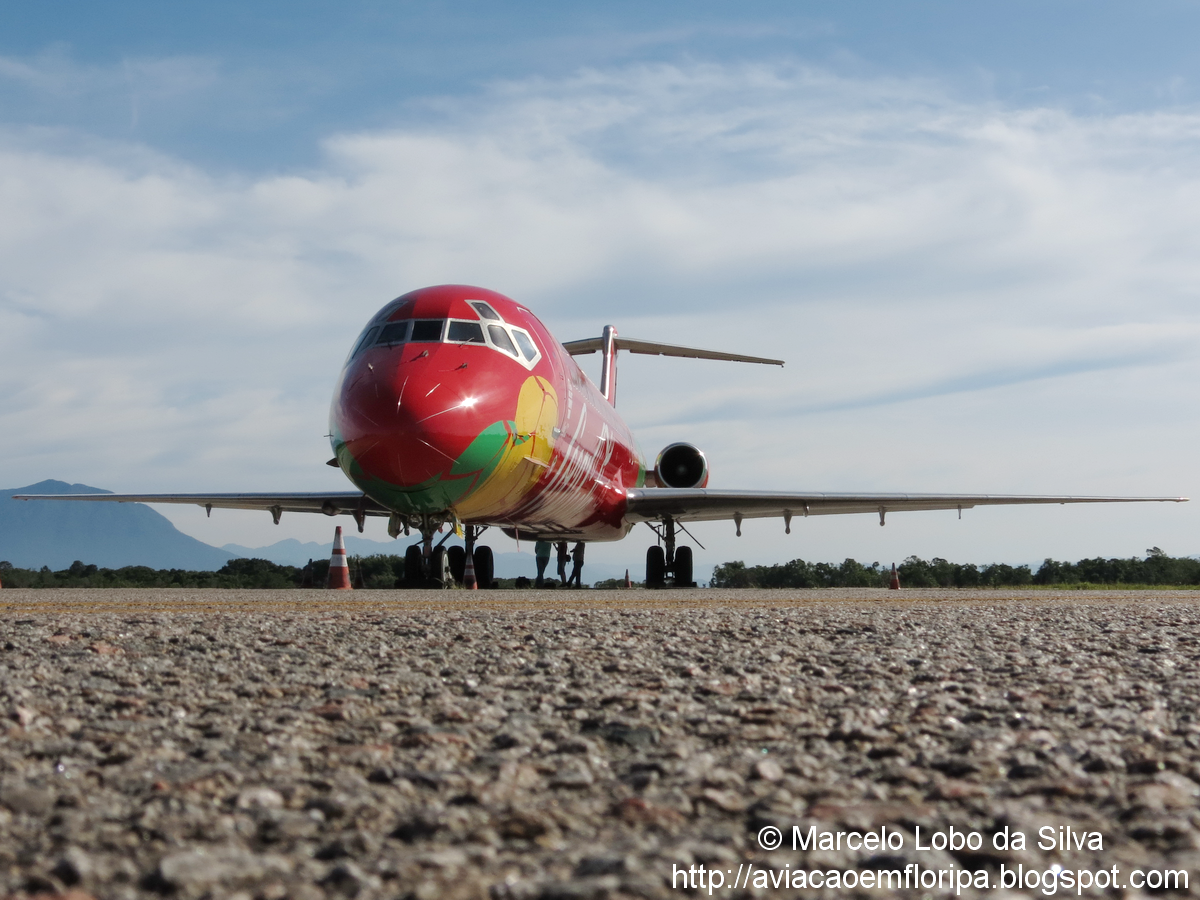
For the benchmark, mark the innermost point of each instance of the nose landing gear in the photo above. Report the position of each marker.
(429, 566)
(667, 559)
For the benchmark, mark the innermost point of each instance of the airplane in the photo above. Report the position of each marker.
(457, 407)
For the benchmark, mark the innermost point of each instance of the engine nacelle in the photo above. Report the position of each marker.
(681, 465)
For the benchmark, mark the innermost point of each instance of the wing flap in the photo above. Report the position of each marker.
(701, 504)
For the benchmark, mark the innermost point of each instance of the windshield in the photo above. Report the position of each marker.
(465, 333)
(427, 330)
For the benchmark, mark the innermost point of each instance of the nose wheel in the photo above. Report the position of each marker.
(666, 560)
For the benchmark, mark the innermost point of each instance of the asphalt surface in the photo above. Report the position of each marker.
(596, 744)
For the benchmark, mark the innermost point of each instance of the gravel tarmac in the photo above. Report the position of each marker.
(563, 746)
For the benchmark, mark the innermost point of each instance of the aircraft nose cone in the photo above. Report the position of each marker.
(446, 432)
(409, 427)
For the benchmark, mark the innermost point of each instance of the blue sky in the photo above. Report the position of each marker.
(259, 85)
(970, 228)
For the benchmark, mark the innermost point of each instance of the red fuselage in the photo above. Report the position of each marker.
(457, 402)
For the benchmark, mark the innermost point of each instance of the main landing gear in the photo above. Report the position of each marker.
(429, 566)
(666, 559)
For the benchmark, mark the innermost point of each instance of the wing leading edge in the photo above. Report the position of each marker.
(701, 504)
(351, 503)
(642, 504)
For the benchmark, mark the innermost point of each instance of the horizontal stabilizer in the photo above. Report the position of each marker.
(654, 348)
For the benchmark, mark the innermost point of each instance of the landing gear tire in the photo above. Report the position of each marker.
(413, 576)
(656, 567)
(458, 562)
(439, 569)
(683, 567)
(485, 567)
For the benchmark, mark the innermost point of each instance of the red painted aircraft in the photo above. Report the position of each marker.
(457, 407)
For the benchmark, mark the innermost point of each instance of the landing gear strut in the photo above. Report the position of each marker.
(668, 559)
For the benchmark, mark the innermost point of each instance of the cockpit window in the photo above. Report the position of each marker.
(526, 344)
(485, 311)
(501, 339)
(465, 333)
(517, 343)
(396, 333)
(427, 330)
(368, 338)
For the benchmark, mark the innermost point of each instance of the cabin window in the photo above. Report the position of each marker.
(427, 330)
(485, 311)
(526, 344)
(501, 340)
(465, 333)
(396, 333)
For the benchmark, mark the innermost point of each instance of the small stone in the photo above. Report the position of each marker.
(768, 770)
(73, 867)
(600, 865)
(29, 800)
(635, 736)
(219, 865)
(333, 711)
(729, 801)
(348, 879)
(574, 777)
(260, 798)
(452, 858)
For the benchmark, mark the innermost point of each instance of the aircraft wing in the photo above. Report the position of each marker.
(330, 503)
(701, 504)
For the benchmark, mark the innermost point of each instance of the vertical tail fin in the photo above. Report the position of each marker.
(608, 358)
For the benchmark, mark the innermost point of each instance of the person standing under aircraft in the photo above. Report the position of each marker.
(563, 558)
(577, 566)
(541, 552)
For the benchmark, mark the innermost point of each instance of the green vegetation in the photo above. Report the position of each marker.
(614, 584)
(800, 574)
(237, 573)
(1156, 570)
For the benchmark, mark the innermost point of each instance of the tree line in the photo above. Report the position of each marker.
(378, 571)
(1157, 568)
(371, 571)
(382, 571)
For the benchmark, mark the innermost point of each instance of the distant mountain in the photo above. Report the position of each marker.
(55, 534)
(45, 533)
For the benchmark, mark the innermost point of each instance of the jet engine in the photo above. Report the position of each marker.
(681, 465)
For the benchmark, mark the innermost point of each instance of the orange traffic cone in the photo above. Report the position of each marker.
(339, 572)
(469, 581)
(895, 585)
(628, 583)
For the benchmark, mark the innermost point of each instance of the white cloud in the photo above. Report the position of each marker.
(55, 74)
(953, 285)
